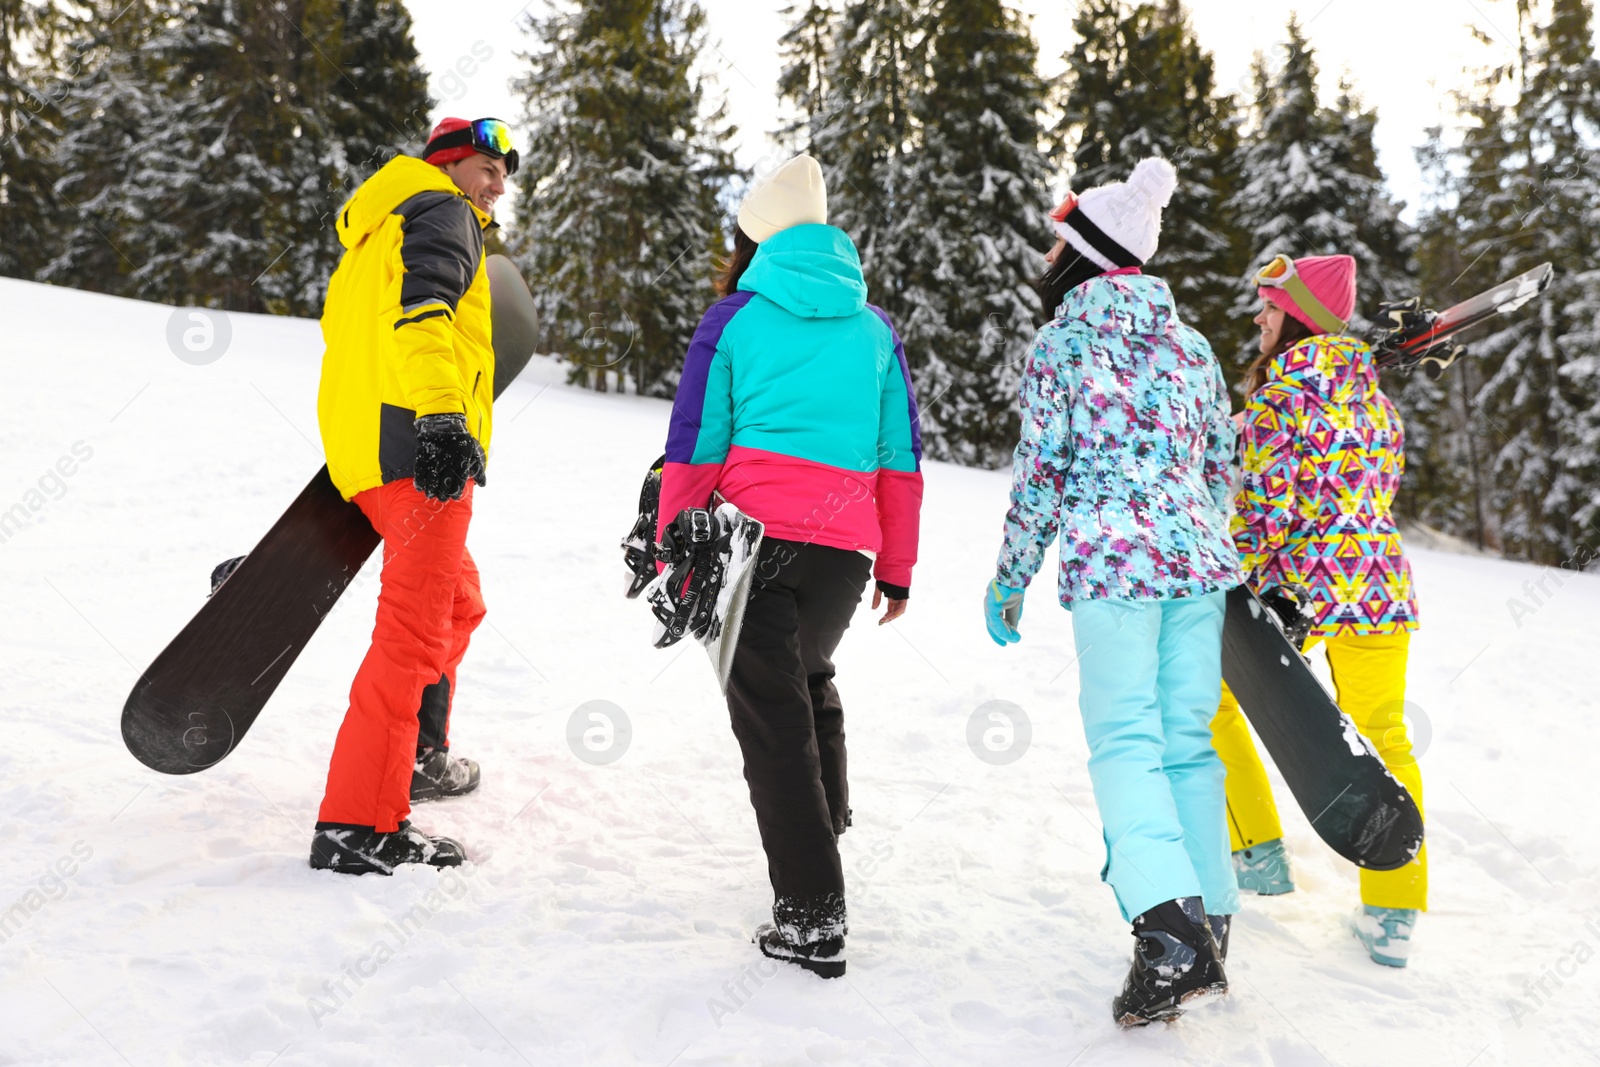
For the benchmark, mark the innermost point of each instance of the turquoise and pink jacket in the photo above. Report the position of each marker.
(795, 403)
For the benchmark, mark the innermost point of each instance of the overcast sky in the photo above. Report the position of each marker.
(1404, 57)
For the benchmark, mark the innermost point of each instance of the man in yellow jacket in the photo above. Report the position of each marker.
(405, 408)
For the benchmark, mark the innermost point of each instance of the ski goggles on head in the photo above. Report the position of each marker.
(1058, 217)
(1281, 274)
(492, 137)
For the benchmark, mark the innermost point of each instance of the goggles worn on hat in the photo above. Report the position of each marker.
(1281, 274)
(492, 137)
(1067, 216)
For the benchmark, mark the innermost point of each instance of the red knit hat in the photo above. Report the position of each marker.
(440, 156)
(1331, 280)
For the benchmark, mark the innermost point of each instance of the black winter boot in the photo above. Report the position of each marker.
(439, 774)
(807, 931)
(1176, 960)
(824, 957)
(1221, 926)
(362, 850)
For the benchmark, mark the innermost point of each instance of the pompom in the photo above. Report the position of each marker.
(1155, 179)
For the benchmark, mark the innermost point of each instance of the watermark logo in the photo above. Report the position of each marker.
(199, 336)
(453, 82)
(741, 991)
(1537, 992)
(999, 732)
(599, 732)
(1393, 718)
(354, 974)
(52, 485)
(53, 885)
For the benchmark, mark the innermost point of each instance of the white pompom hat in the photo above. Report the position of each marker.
(1119, 224)
(790, 196)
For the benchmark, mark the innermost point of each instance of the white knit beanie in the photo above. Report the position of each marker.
(1119, 225)
(789, 196)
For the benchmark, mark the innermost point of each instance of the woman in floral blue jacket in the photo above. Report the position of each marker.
(1125, 454)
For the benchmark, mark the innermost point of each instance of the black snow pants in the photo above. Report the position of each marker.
(789, 722)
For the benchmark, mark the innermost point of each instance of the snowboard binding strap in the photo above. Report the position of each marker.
(639, 547)
(694, 548)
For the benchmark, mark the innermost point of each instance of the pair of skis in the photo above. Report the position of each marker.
(1410, 335)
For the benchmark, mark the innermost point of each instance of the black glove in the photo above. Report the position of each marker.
(1292, 605)
(447, 455)
(223, 571)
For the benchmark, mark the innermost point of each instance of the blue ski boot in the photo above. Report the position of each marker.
(1264, 868)
(1386, 933)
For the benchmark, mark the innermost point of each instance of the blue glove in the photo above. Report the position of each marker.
(1002, 610)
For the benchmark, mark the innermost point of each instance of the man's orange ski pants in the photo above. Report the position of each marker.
(428, 606)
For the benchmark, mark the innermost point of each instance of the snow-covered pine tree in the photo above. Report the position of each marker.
(209, 145)
(1446, 477)
(33, 57)
(862, 137)
(360, 97)
(973, 228)
(114, 106)
(1310, 184)
(804, 50)
(230, 171)
(378, 107)
(1139, 84)
(618, 197)
(1538, 404)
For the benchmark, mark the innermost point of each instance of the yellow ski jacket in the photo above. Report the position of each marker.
(406, 324)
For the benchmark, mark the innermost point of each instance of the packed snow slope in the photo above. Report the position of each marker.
(174, 920)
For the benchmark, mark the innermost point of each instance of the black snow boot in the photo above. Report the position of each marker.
(438, 774)
(824, 957)
(1221, 926)
(362, 850)
(808, 931)
(1176, 960)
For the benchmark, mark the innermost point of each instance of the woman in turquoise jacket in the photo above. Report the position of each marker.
(1125, 454)
(795, 404)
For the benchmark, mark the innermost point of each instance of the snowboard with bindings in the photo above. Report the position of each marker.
(195, 702)
(1361, 810)
(709, 558)
(1412, 335)
(639, 546)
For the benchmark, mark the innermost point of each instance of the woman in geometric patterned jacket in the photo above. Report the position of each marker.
(1323, 451)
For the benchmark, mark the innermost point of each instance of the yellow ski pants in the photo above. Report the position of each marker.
(1369, 677)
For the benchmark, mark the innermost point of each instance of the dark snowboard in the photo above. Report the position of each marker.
(1339, 781)
(195, 702)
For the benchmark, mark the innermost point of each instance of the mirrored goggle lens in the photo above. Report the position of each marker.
(493, 135)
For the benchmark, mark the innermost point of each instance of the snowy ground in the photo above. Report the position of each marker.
(156, 920)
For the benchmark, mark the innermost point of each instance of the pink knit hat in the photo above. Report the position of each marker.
(1332, 283)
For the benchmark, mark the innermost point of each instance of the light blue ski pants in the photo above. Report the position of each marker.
(1150, 674)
